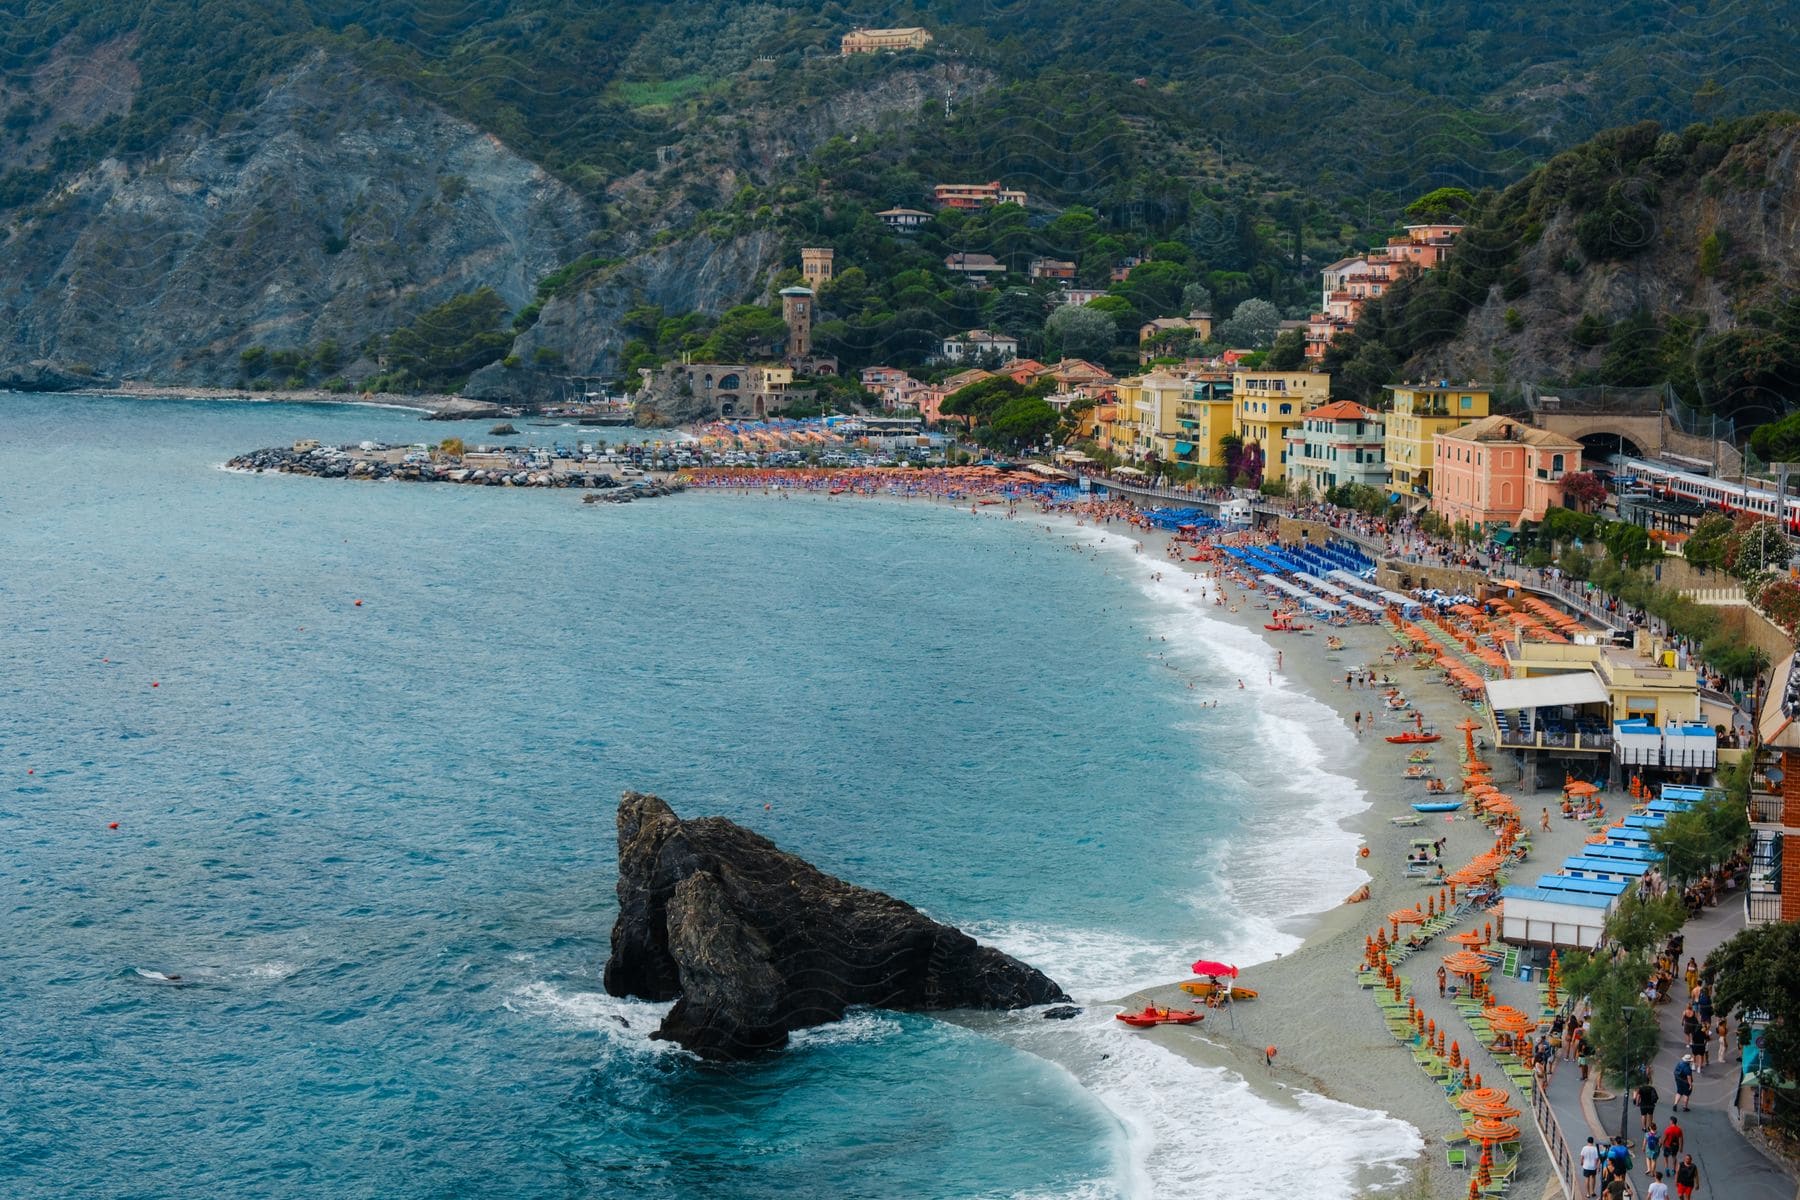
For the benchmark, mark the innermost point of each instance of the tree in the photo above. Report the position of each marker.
(445, 344)
(742, 333)
(982, 399)
(1694, 842)
(1706, 545)
(1758, 970)
(1756, 549)
(1288, 352)
(1021, 422)
(1081, 331)
(1778, 441)
(1583, 489)
(1445, 203)
(1196, 297)
(1252, 325)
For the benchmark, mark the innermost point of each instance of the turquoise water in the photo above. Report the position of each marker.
(376, 841)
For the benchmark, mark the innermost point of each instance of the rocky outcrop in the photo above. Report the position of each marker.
(752, 942)
(335, 209)
(695, 274)
(42, 376)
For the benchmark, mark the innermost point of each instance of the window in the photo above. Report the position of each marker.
(1468, 402)
(1556, 463)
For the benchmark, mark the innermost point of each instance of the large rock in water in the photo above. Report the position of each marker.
(752, 942)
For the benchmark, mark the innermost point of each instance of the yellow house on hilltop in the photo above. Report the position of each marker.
(873, 41)
(1419, 412)
(1269, 403)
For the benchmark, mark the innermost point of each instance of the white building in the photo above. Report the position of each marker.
(1337, 443)
(978, 344)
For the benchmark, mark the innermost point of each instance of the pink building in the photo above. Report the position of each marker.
(1498, 471)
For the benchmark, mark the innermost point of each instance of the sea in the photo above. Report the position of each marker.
(307, 855)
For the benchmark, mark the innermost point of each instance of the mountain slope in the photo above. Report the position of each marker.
(1640, 257)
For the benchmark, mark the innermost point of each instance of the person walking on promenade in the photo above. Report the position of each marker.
(1684, 1084)
(1724, 1039)
(1672, 1137)
(1646, 1102)
(1443, 982)
(1692, 976)
(1658, 1190)
(1687, 1178)
(1590, 1169)
(1544, 821)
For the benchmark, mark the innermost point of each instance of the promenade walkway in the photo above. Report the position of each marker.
(1731, 1167)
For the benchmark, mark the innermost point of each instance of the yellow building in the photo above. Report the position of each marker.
(1269, 403)
(871, 41)
(1177, 418)
(1418, 413)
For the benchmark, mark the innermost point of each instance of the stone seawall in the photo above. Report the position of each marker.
(389, 463)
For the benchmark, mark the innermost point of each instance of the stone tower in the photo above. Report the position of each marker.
(815, 265)
(797, 314)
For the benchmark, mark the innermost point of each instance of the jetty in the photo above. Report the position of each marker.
(506, 467)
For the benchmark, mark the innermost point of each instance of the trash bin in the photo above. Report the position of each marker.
(1525, 974)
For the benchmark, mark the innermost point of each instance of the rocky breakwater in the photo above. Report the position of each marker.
(407, 464)
(752, 942)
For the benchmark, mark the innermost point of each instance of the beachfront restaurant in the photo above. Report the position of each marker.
(1560, 719)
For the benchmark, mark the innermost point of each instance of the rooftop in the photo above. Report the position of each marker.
(1508, 429)
(1342, 410)
(1441, 387)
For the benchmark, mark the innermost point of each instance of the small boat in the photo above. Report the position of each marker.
(1436, 805)
(1413, 737)
(1153, 1015)
(1200, 988)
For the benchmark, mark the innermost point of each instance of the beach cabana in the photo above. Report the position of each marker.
(1536, 916)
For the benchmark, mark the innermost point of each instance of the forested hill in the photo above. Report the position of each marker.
(1642, 257)
(306, 177)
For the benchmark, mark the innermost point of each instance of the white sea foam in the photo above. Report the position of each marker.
(626, 1023)
(1091, 964)
(863, 1026)
(1192, 1130)
(1187, 1129)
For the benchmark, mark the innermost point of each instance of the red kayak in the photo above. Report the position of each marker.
(1407, 739)
(1153, 1015)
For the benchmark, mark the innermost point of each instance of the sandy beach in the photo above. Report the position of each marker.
(1330, 1036)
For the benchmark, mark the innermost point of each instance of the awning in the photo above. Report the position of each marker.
(1546, 691)
(1393, 497)
(1184, 447)
(1503, 537)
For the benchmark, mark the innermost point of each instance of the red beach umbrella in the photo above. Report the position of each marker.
(1207, 966)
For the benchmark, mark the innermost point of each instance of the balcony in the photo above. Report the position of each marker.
(1765, 808)
(1587, 743)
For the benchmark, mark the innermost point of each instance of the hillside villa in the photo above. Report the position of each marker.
(1351, 283)
(891, 41)
(978, 344)
(976, 195)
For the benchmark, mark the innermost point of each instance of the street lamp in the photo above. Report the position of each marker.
(1625, 1090)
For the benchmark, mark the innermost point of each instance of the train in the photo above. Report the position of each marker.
(1720, 495)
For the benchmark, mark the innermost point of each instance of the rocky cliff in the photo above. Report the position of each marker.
(335, 209)
(752, 942)
(1699, 237)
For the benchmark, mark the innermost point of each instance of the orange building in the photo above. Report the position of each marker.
(976, 195)
(874, 41)
(1498, 471)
